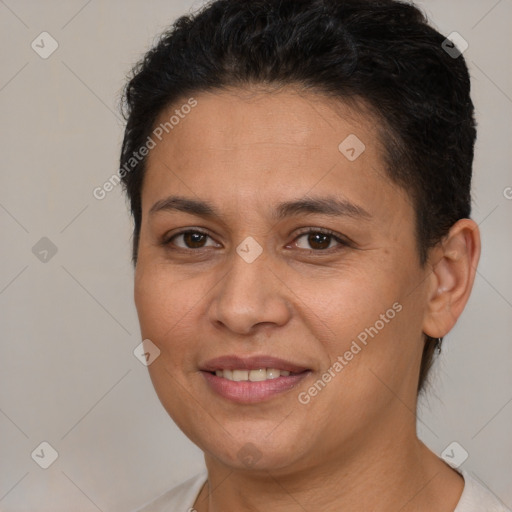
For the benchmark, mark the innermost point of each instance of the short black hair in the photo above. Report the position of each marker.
(380, 53)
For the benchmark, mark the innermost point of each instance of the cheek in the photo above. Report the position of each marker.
(348, 303)
(370, 324)
(164, 305)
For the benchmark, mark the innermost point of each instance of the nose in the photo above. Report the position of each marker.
(248, 297)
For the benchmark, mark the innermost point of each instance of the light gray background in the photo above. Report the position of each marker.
(68, 375)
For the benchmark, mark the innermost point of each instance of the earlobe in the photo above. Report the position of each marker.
(454, 262)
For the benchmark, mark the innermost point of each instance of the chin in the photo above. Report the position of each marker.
(254, 456)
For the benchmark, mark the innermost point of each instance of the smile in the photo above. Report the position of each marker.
(252, 375)
(249, 380)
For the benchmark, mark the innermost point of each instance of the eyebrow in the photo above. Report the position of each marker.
(332, 206)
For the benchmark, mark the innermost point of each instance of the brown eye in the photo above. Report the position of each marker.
(192, 240)
(317, 241)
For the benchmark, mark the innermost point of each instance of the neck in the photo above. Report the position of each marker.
(400, 473)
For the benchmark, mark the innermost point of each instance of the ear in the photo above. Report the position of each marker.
(454, 261)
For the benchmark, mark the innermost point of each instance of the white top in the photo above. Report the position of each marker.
(474, 498)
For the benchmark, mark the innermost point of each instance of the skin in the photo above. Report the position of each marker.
(246, 151)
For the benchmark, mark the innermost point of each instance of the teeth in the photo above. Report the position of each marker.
(239, 375)
(258, 375)
(252, 375)
(272, 373)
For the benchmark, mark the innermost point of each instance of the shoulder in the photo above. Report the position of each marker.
(178, 499)
(476, 498)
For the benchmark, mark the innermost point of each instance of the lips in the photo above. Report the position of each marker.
(252, 375)
(251, 379)
(250, 363)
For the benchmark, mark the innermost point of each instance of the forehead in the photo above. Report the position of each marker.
(238, 145)
(229, 119)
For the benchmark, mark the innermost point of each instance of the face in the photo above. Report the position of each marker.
(278, 275)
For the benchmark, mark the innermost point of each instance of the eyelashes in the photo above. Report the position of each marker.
(195, 238)
(309, 239)
(321, 238)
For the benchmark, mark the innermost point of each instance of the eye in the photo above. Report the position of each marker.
(191, 239)
(318, 240)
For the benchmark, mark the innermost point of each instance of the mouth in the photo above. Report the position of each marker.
(258, 375)
(251, 380)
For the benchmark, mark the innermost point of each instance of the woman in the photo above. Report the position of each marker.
(299, 175)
